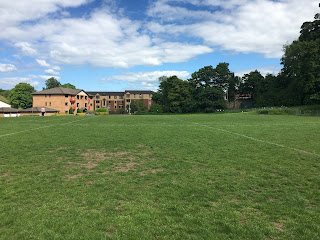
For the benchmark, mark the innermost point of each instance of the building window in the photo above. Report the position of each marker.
(97, 101)
(77, 97)
(128, 95)
(49, 103)
(97, 97)
(109, 97)
(49, 95)
(81, 97)
(134, 96)
(66, 95)
(150, 96)
(115, 106)
(66, 104)
(128, 100)
(77, 104)
(85, 97)
(109, 102)
(149, 100)
(85, 105)
(90, 104)
(120, 97)
(98, 107)
(45, 103)
(140, 95)
(115, 102)
(115, 97)
(45, 95)
(66, 112)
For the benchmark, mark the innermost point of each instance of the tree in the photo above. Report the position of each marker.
(301, 66)
(52, 83)
(251, 84)
(207, 88)
(173, 94)
(68, 85)
(20, 96)
(71, 110)
(137, 106)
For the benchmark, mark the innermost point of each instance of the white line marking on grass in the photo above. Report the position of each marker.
(28, 130)
(257, 140)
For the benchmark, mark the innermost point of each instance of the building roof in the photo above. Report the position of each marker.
(59, 91)
(38, 109)
(139, 91)
(9, 110)
(106, 93)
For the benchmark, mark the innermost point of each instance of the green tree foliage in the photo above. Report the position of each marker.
(207, 88)
(20, 96)
(52, 83)
(301, 66)
(252, 84)
(5, 93)
(173, 94)
(70, 110)
(156, 108)
(137, 106)
(68, 85)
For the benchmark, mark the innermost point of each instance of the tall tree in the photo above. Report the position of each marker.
(301, 66)
(251, 84)
(20, 96)
(207, 89)
(173, 94)
(52, 83)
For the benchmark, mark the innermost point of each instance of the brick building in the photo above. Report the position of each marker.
(61, 99)
(115, 100)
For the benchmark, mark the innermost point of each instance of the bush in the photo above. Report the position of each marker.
(156, 108)
(79, 110)
(102, 110)
(70, 110)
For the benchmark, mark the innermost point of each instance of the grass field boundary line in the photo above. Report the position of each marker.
(48, 126)
(256, 139)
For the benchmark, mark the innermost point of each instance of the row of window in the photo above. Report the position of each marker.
(66, 104)
(127, 96)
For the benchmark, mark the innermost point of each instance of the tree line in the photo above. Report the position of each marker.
(209, 89)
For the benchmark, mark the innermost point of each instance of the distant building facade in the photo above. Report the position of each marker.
(117, 100)
(62, 99)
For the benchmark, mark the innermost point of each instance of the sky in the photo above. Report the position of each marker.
(117, 45)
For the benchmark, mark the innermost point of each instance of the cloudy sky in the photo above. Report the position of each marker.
(113, 45)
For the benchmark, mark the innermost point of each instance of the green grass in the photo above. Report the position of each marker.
(214, 176)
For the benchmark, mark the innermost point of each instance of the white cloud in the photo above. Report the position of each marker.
(263, 70)
(42, 63)
(247, 26)
(10, 82)
(7, 68)
(46, 77)
(57, 68)
(13, 12)
(102, 39)
(26, 48)
(51, 71)
(146, 77)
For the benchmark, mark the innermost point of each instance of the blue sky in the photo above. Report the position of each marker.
(109, 45)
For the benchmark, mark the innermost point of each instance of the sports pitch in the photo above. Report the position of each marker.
(210, 176)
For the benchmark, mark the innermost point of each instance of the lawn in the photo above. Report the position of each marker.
(210, 176)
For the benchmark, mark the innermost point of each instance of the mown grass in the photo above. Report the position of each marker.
(214, 176)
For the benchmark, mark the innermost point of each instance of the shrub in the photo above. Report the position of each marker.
(102, 110)
(70, 110)
(79, 110)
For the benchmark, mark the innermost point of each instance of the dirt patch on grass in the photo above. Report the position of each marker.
(151, 171)
(111, 230)
(74, 176)
(6, 175)
(278, 226)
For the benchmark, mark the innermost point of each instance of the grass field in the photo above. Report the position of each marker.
(215, 176)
